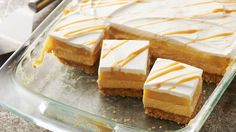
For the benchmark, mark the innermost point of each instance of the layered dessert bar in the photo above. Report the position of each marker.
(76, 41)
(172, 91)
(195, 32)
(124, 65)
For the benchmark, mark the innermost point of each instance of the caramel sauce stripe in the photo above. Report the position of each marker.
(86, 30)
(101, 3)
(173, 78)
(47, 47)
(200, 3)
(63, 27)
(111, 4)
(213, 12)
(169, 70)
(89, 42)
(113, 48)
(223, 10)
(213, 36)
(156, 22)
(165, 67)
(209, 2)
(130, 57)
(39, 60)
(184, 80)
(190, 31)
(199, 15)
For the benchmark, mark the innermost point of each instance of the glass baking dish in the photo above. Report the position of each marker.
(62, 98)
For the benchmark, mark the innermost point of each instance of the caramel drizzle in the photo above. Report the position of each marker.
(173, 78)
(113, 48)
(47, 48)
(215, 11)
(229, 45)
(172, 69)
(226, 2)
(218, 10)
(89, 42)
(84, 31)
(75, 22)
(201, 3)
(145, 24)
(165, 67)
(39, 60)
(67, 11)
(207, 2)
(99, 4)
(111, 4)
(199, 15)
(130, 57)
(213, 36)
(184, 80)
(191, 31)
(223, 10)
(156, 22)
(84, 1)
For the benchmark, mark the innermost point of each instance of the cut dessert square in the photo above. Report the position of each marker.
(172, 91)
(123, 67)
(76, 40)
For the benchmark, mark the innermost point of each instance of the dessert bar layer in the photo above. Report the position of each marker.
(157, 113)
(123, 92)
(214, 66)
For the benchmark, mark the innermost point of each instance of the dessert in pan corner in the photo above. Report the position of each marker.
(130, 35)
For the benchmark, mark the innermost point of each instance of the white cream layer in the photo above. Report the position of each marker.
(164, 18)
(111, 55)
(185, 89)
(210, 23)
(104, 8)
(80, 40)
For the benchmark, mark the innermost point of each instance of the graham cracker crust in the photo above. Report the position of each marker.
(121, 92)
(157, 113)
(211, 78)
(85, 68)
